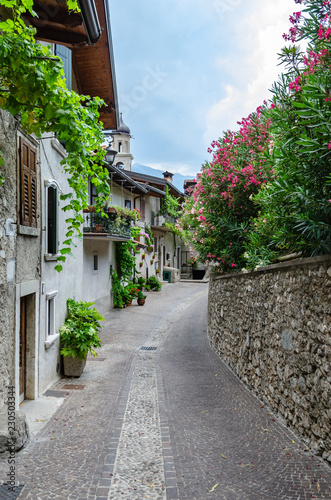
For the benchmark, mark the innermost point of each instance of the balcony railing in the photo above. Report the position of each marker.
(109, 225)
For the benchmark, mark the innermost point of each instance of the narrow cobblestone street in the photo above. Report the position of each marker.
(158, 415)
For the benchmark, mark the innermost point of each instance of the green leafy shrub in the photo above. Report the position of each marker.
(154, 283)
(141, 282)
(80, 332)
(295, 208)
(117, 290)
(141, 295)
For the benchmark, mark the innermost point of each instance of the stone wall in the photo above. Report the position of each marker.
(8, 218)
(272, 328)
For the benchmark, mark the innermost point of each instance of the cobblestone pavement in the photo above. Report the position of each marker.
(226, 444)
(159, 416)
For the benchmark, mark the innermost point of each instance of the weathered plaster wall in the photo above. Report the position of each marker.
(272, 328)
(7, 254)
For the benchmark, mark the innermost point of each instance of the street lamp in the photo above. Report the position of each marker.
(110, 155)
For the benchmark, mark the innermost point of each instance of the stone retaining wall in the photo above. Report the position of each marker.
(272, 328)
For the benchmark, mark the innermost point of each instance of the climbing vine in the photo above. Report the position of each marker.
(169, 206)
(125, 255)
(33, 90)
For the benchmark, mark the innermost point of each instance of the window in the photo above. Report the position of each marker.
(95, 262)
(120, 165)
(65, 55)
(120, 147)
(28, 173)
(50, 314)
(51, 219)
(128, 204)
(93, 194)
(142, 208)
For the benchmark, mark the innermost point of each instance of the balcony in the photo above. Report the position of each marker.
(110, 226)
(158, 222)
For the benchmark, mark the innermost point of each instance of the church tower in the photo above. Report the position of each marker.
(121, 143)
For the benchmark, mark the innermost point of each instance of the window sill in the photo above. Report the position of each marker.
(59, 148)
(28, 231)
(51, 339)
(51, 256)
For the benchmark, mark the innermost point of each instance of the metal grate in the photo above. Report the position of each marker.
(73, 387)
(9, 494)
(148, 348)
(55, 394)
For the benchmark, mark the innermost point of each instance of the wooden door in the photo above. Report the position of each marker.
(22, 354)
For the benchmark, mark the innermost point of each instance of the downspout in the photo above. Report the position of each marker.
(90, 20)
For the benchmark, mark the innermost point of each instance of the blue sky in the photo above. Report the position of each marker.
(188, 69)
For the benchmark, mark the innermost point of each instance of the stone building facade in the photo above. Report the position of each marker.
(273, 329)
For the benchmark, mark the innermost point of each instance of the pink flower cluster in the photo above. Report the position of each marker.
(293, 32)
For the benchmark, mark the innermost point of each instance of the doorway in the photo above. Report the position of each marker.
(27, 340)
(22, 349)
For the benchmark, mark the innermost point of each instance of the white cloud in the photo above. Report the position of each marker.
(261, 37)
(174, 167)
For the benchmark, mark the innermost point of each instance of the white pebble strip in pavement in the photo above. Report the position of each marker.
(139, 468)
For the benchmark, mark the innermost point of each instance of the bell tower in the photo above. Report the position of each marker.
(121, 143)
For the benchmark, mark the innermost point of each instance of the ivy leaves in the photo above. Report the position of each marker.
(32, 87)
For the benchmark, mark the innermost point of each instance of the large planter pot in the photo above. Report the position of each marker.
(73, 367)
(141, 302)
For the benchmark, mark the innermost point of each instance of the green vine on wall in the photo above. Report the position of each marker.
(33, 90)
(169, 206)
(125, 256)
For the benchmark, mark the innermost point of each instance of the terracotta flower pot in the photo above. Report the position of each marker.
(141, 302)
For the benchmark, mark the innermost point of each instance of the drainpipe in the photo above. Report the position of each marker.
(90, 20)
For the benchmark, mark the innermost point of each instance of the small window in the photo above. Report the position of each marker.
(142, 208)
(120, 147)
(128, 204)
(120, 165)
(65, 55)
(95, 262)
(52, 220)
(93, 194)
(28, 172)
(50, 314)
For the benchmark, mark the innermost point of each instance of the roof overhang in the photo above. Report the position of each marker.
(156, 182)
(88, 34)
(120, 177)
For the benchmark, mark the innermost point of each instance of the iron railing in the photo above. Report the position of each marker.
(109, 225)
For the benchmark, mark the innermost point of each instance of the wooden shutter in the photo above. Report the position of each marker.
(28, 164)
(33, 184)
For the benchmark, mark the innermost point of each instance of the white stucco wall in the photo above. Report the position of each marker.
(97, 283)
(66, 284)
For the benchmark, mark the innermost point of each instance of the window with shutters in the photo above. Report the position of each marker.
(28, 167)
(65, 55)
(52, 202)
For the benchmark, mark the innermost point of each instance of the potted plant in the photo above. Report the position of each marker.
(141, 283)
(141, 298)
(157, 271)
(130, 293)
(154, 283)
(79, 335)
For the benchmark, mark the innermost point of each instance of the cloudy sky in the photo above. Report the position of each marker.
(188, 69)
